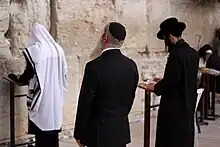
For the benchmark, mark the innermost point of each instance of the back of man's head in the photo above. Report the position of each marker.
(116, 33)
(205, 50)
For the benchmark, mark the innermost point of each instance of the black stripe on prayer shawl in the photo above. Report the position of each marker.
(35, 91)
(29, 101)
(33, 65)
(37, 97)
(29, 58)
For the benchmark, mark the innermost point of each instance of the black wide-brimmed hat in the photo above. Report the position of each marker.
(171, 26)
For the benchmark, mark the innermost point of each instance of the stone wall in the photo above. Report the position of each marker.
(77, 26)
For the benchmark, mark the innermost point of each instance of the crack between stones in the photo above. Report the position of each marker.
(8, 33)
(114, 2)
(53, 19)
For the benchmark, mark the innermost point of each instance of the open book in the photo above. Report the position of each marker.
(144, 85)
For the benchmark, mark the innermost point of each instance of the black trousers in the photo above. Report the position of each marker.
(47, 139)
(44, 138)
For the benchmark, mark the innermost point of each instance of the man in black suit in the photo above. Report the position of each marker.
(178, 88)
(107, 94)
(212, 61)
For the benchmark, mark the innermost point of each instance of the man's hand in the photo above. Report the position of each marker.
(79, 143)
(150, 86)
(156, 79)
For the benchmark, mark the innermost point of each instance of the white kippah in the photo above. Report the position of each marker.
(208, 52)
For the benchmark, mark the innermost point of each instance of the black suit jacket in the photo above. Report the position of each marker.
(106, 98)
(214, 63)
(178, 90)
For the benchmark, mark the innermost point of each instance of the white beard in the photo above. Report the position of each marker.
(98, 50)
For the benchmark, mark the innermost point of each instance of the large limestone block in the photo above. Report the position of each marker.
(39, 10)
(5, 56)
(154, 44)
(80, 23)
(133, 15)
(19, 27)
(186, 14)
(16, 18)
(22, 17)
(153, 65)
(79, 26)
(5, 53)
(196, 33)
(157, 11)
(93, 10)
(4, 8)
(9, 64)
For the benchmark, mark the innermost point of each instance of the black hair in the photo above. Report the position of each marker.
(177, 32)
(203, 49)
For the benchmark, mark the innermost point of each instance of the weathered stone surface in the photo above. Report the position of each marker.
(16, 18)
(22, 15)
(38, 11)
(5, 55)
(135, 23)
(77, 26)
(4, 9)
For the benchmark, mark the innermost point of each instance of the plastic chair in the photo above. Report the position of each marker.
(199, 95)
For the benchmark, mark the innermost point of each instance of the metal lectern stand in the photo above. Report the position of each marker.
(208, 109)
(147, 115)
(12, 111)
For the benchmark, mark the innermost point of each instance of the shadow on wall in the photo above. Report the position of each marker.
(18, 1)
(4, 110)
(206, 2)
(10, 64)
(216, 42)
(145, 52)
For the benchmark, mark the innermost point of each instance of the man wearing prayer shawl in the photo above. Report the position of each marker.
(177, 88)
(212, 61)
(45, 75)
(107, 94)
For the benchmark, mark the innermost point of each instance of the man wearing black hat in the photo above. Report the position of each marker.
(212, 61)
(178, 89)
(107, 94)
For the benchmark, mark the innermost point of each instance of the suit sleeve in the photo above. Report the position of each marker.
(86, 97)
(136, 79)
(210, 63)
(202, 82)
(171, 77)
(28, 72)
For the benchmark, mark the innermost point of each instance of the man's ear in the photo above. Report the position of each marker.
(171, 36)
(104, 38)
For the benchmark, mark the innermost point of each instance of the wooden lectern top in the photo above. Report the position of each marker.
(14, 82)
(144, 86)
(209, 71)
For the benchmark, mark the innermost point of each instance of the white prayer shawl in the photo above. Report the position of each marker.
(47, 87)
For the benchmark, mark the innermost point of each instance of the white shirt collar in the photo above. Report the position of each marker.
(107, 49)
